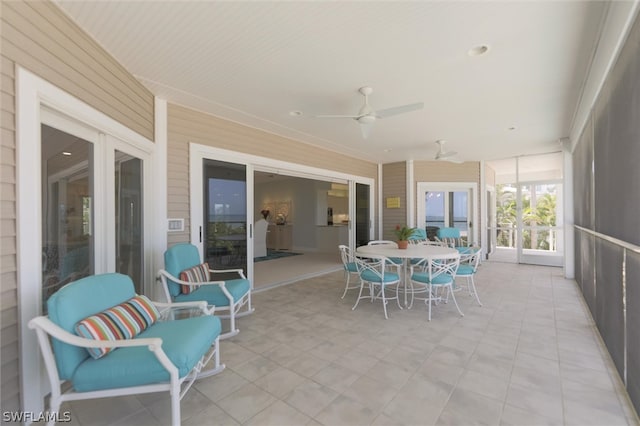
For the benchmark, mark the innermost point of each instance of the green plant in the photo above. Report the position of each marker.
(403, 232)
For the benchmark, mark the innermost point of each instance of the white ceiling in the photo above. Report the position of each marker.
(254, 62)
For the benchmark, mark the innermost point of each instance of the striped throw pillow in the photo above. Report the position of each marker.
(197, 274)
(124, 321)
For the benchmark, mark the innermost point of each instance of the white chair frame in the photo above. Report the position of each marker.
(347, 257)
(377, 266)
(435, 268)
(471, 258)
(234, 306)
(176, 386)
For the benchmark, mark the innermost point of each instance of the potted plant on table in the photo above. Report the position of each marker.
(403, 233)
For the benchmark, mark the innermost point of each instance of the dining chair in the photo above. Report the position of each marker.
(452, 238)
(432, 279)
(350, 267)
(468, 267)
(374, 274)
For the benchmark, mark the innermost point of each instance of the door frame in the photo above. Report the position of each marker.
(199, 152)
(37, 101)
(423, 187)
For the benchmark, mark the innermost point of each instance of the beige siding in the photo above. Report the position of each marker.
(8, 262)
(394, 184)
(40, 38)
(186, 125)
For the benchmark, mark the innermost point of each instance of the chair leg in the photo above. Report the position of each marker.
(429, 300)
(384, 302)
(453, 296)
(346, 286)
(175, 405)
(473, 286)
(398, 296)
(360, 295)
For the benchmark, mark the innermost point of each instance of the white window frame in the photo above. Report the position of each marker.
(37, 102)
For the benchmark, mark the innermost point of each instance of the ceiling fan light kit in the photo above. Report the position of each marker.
(367, 115)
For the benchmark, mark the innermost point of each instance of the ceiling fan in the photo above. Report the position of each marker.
(443, 155)
(367, 115)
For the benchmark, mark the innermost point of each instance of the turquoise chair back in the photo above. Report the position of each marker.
(178, 258)
(448, 233)
(418, 234)
(78, 300)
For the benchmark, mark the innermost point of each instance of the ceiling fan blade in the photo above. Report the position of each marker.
(383, 113)
(453, 160)
(366, 129)
(443, 155)
(338, 116)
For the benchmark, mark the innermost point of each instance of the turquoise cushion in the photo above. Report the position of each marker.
(213, 294)
(178, 258)
(395, 260)
(371, 276)
(78, 300)
(465, 270)
(184, 341)
(423, 277)
(351, 267)
(418, 234)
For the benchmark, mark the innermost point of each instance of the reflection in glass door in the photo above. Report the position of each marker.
(225, 215)
(363, 214)
(67, 209)
(442, 208)
(128, 198)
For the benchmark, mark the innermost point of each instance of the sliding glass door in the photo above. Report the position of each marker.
(225, 213)
(87, 227)
(362, 215)
(528, 226)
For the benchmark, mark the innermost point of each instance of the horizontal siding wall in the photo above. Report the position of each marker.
(394, 184)
(39, 37)
(8, 263)
(186, 125)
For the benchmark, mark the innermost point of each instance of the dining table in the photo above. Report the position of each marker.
(413, 251)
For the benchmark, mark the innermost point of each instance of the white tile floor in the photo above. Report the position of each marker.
(529, 356)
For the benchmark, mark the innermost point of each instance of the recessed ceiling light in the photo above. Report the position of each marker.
(295, 113)
(67, 153)
(478, 50)
(387, 150)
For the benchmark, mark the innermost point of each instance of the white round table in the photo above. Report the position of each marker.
(413, 251)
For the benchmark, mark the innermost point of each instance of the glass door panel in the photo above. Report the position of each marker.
(459, 212)
(435, 209)
(542, 241)
(225, 215)
(506, 223)
(129, 235)
(67, 209)
(363, 214)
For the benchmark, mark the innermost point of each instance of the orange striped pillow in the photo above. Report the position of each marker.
(124, 321)
(196, 274)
